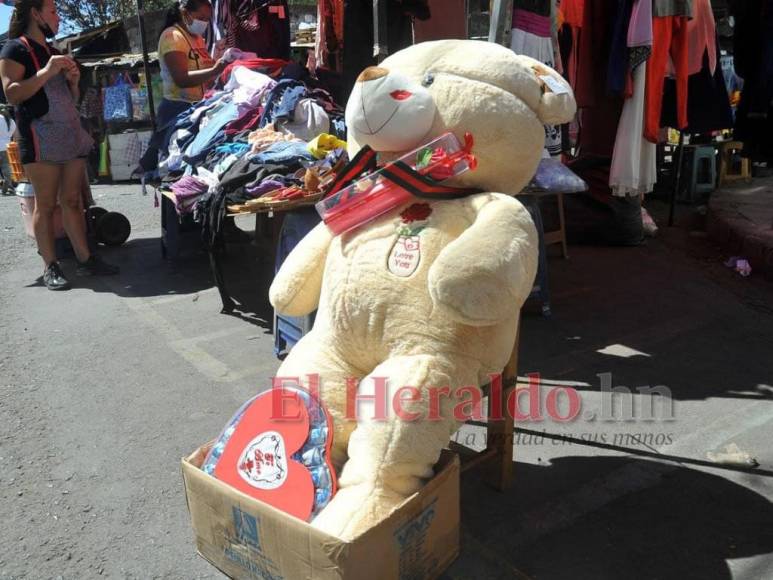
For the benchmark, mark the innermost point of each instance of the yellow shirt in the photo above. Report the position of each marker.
(175, 39)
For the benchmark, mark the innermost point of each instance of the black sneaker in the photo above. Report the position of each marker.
(96, 266)
(53, 277)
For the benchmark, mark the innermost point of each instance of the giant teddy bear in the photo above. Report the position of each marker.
(450, 318)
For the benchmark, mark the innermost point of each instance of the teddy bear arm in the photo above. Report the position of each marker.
(553, 107)
(488, 272)
(296, 288)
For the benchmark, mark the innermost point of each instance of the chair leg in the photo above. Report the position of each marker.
(562, 224)
(500, 432)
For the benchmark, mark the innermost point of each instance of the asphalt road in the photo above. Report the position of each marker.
(104, 388)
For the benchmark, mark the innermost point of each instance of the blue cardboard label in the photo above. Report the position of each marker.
(247, 535)
(415, 563)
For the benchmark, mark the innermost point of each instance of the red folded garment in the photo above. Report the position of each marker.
(268, 66)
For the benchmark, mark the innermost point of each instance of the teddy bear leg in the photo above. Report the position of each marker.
(312, 356)
(389, 459)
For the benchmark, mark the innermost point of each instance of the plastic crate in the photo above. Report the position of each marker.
(288, 330)
(14, 160)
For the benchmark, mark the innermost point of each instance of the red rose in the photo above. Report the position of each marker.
(417, 212)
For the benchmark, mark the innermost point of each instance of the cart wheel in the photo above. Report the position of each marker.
(113, 228)
(93, 214)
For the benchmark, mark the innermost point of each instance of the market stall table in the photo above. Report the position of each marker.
(259, 210)
(174, 226)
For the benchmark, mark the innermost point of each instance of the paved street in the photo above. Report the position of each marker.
(104, 388)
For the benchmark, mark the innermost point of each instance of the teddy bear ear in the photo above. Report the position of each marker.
(557, 104)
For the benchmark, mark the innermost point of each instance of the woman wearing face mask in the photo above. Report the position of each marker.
(186, 66)
(42, 84)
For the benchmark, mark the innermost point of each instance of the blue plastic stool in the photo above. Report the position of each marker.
(700, 167)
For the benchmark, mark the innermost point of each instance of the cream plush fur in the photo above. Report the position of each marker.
(453, 320)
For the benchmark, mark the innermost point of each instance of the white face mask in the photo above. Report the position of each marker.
(198, 27)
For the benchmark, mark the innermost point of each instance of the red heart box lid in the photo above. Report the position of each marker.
(257, 459)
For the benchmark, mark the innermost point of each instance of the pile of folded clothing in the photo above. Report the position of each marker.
(264, 138)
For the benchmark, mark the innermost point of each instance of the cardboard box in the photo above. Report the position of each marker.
(245, 538)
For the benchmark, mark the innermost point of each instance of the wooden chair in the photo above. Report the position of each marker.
(559, 236)
(497, 458)
(727, 150)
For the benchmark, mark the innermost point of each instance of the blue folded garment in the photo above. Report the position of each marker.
(283, 152)
(212, 133)
(233, 148)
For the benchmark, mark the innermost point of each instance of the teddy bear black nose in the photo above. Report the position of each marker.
(372, 73)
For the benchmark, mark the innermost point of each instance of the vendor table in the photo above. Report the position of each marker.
(174, 227)
(529, 198)
(217, 252)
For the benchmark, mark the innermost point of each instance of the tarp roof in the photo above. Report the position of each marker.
(71, 44)
(121, 60)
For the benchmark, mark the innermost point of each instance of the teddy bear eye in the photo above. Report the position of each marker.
(428, 79)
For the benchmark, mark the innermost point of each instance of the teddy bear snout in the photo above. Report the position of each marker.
(389, 111)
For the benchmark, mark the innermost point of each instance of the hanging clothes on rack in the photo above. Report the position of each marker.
(259, 26)
(330, 33)
(598, 216)
(663, 8)
(670, 38)
(358, 34)
(568, 35)
(701, 39)
(618, 68)
(530, 33)
(708, 105)
(640, 33)
(634, 161)
(599, 110)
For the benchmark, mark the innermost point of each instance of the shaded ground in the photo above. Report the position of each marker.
(105, 387)
(741, 221)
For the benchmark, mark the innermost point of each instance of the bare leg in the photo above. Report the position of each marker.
(45, 178)
(71, 200)
(88, 198)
